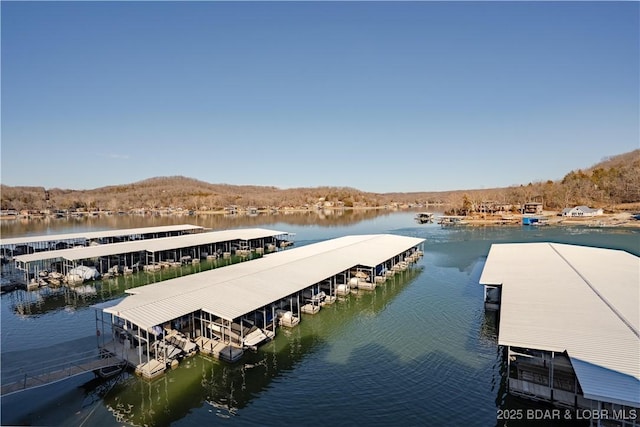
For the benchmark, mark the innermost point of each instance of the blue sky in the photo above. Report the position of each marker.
(379, 96)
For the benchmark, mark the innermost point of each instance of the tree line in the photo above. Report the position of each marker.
(614, 181)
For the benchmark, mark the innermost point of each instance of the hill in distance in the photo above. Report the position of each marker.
(611, 182)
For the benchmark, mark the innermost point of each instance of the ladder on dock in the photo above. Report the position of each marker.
(55, 370)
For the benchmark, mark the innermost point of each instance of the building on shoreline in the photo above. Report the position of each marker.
(581, 211)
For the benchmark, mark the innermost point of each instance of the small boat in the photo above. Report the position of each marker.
(109, 371)
(82, 273)
(55, 275)
(166, 352)
(287, 319)
(424, 217)
(255, 338)
(354, 282)
(451, 220)
(343, 289)
(314, 298)
(33, 285)
(310, 308)
(361, 275)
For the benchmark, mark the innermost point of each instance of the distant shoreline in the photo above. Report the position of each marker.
(552, 218)
(621, 219)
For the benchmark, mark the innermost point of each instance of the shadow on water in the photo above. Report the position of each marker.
(417, 355)
(222, 390)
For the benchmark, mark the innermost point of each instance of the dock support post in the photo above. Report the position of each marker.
(508, 366)
(551, 376)
(273, 317)
(97, 330)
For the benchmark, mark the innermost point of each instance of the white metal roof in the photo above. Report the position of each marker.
(238, 289)
(582, 300)
(152, 245)
(98, 234)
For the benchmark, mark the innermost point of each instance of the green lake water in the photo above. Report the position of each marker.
(418, 351)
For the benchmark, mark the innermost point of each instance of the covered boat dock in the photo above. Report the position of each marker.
(227, 310)
(37, 244)
(569, 322)
(51, 242)
(150, 253)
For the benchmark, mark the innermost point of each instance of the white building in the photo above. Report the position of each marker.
(581, 211)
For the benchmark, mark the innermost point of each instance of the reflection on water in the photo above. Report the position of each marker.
(419, 352)
(314, 217)
(224, 388)
(45, 299)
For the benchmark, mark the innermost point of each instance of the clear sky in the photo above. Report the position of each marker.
(379, 96)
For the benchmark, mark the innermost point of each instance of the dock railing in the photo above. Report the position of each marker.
(53, 370)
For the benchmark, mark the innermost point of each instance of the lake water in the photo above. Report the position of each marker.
(419, 350)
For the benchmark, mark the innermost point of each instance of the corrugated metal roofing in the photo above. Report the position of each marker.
(238, 289)
(98, 234)
(582, 300)
(108, 303)
(152, 245)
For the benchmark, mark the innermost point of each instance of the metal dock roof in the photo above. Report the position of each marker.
(578, 299)
(152, 245)
(238, 289)
(98, 234)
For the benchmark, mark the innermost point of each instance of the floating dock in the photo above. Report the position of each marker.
(150, 253)
(424, 217)
(241, 305)
(569, 323)
(450, 220)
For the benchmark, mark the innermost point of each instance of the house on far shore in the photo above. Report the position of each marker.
(8, 213)
(532, 208)
(581, 211)
(493, 207)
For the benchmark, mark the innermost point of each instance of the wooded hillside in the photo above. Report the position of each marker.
(613, 181)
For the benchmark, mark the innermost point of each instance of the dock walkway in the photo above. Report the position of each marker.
(79, 364)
